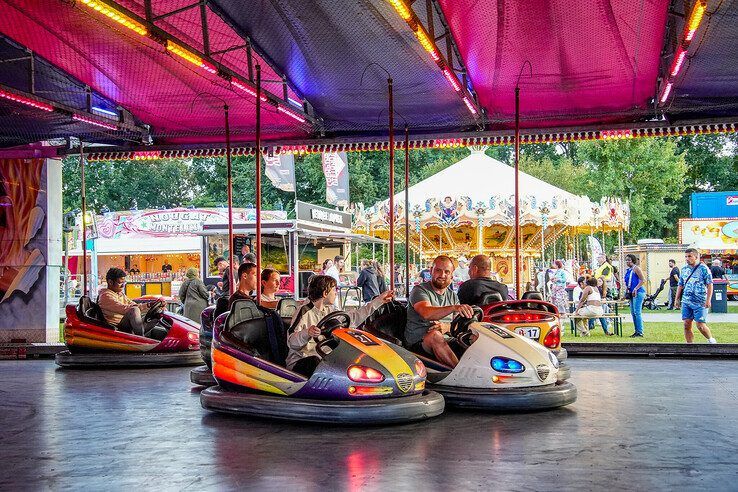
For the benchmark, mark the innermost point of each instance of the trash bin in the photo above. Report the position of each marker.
(719, 296)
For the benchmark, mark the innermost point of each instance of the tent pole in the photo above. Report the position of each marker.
(258, 182)
(84, 216)
(229, 172)
(517, 192)
(391, 185)
(407, 212)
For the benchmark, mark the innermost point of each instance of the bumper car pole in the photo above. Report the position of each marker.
(407, 212)
(229, 171)
(391, 184)
(258, 182)
(83, 199)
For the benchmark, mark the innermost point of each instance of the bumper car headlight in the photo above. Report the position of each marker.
(507, 365)
(554, 360)
(362, 374)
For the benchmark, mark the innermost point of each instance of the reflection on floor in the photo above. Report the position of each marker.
(638, 424)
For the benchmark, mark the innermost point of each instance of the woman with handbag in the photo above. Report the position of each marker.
(193, 295)
(635, 280)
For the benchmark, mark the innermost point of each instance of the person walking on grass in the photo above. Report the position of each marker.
(694, 294)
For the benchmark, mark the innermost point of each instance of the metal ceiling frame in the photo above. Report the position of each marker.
(419, 141)
(160, 35)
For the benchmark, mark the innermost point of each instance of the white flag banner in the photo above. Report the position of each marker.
(280, 169)
(335, 168)
(595, 250)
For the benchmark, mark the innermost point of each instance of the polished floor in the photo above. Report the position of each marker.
(639, 424)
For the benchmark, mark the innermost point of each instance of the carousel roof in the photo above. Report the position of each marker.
(478, 177)
(480, 189)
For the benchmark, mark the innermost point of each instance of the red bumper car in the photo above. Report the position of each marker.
(170, 340)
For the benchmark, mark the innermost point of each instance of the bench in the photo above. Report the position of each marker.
(617, 324)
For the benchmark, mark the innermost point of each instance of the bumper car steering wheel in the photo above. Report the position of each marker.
(333, 321)
(460, 326)
(154, 312)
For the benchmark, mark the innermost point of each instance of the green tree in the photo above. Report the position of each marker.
(646, 172)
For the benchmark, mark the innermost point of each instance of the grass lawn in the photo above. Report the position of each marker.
(732, 308)
(665, 332)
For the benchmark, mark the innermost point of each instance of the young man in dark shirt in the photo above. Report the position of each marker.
(673, 282)
(246, 283)
(479, 284)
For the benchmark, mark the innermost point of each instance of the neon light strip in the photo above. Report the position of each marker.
(470, 106)
(105, 111)
(290, 113)
(26, 100)
(667, 91)
(429, 45)
(426, 43)
(118, 17)
(402, 10)
(695, 19)
(190, 57)
(679, 58)
(451, 79)
(247, 89)
(101, 124)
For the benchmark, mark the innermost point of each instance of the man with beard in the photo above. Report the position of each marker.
(429, 309)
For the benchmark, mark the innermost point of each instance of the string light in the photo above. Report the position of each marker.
(695, 19)
(86, 119)
(25, 100)
(290, 113)
(247, 89)
(451, 79)
(402, 10)
(173, 47)
(117, 16)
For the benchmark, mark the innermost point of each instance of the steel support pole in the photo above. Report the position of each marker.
(258, 182)
(407, 211)
(229, 172)
(391, 185)
(84, 216)
(517, 192)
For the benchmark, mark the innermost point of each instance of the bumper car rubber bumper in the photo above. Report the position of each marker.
(106, 360)
(564, 372)
(509, 400)
(202, 376)
(365, 412)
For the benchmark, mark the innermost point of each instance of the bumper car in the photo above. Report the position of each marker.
(498, 371)
(203, 375)
(170, 340)
(360, 379)
(531, 317)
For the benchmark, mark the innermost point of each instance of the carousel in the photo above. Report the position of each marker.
(469, 209)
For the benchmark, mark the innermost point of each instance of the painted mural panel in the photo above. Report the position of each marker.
(23, 249)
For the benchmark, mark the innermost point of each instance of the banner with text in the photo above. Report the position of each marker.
(280, 169)
(335, 168)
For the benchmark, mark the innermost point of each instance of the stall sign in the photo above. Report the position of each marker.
(173, 222)
(322, 215)
(711, 234)
(731, 200)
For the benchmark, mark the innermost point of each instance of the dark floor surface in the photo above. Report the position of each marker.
(639, 424)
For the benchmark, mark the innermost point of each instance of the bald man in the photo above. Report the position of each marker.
(429, 310)
(480, 283)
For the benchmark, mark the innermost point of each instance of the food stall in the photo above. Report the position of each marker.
(290, 246)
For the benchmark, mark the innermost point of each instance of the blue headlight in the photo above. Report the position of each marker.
(503, 364)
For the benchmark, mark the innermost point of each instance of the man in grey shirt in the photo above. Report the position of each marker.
(429, 304)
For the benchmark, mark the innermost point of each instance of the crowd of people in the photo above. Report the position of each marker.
(443, 289)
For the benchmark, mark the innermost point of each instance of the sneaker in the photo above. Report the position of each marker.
(711, 340)
(636, 335)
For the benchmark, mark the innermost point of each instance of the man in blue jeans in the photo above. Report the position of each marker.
(694, 294)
